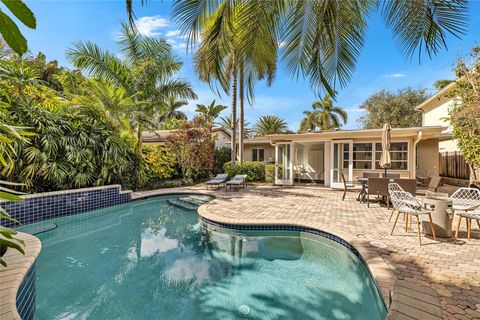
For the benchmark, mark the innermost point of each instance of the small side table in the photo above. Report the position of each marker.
(442, 216)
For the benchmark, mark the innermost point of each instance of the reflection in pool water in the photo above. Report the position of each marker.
(149, 260)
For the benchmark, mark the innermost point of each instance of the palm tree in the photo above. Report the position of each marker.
(270, 124)
(145, 71)
(234, 61)
(309, 123)
(170, 109)
(323, 39)
(324, 116)
(209, 113)
(226, 123)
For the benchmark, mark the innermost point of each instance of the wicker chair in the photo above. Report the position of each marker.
(378, 187)
(348, 185)
(404, 202)
(391, 175)
(409, 185)
(371, 175)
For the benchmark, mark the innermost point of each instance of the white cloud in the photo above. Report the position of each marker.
(148, 26)
(173, 33)
(393, 75)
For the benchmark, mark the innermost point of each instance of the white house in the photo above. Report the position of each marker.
(435, 112)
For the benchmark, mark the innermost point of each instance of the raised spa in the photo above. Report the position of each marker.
(150, 259)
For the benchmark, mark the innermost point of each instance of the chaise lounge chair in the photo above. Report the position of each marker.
(219, 180)
(239, 181)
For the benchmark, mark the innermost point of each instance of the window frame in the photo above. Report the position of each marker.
(374, 153)
(256, 154)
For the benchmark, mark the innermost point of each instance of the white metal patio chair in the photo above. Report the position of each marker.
(391, 188)
(404, 202)
(469, 216)
(465, 199)
(464, 202)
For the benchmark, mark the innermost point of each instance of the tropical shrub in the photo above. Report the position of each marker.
(465, 115)
(254, 170)
(160, 160)
(221, 156)
(270, 173)
(194, 149)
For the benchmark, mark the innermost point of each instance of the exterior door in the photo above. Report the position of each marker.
(283, 164)
(341, 162)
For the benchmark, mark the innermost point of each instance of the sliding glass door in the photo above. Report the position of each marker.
(341, 162)
(283, 164)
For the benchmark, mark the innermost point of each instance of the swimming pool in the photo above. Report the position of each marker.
(152, 260)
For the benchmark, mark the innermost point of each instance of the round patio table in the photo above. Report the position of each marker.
(442, 216)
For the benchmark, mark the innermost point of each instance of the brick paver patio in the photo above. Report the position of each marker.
(452, 270)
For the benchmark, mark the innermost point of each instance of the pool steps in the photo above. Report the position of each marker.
(189, 202)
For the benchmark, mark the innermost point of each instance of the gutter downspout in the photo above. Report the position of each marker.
(415, 142)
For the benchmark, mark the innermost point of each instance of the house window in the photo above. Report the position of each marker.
(398, 155)
(362, 156)
(258, 155)
(346, 156)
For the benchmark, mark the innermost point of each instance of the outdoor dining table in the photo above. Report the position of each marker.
(362, 196)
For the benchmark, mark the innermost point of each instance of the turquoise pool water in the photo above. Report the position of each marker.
(151, 260)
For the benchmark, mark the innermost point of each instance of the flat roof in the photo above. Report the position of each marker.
(427, 131)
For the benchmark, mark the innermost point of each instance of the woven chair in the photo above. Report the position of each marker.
(371, 175)
(391, 188)
(391, 175)
(469, 216)
(464, 201)
(348, 185)
(409, 185)
(404, 202)
(378, 187)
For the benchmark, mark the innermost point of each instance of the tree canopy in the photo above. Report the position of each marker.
(465, 116)
(397, 108)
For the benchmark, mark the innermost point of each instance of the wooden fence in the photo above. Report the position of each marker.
(453, 165)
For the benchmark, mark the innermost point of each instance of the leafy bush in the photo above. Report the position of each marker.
(270, 173)
(155, 183)
(254, 170)
(194, 149)
(221, 156)
(160, 160)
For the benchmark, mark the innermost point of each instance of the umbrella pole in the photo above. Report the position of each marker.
(385, 172)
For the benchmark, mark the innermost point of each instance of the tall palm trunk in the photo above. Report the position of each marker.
(138, 148)
(241, 121)
(234, 112)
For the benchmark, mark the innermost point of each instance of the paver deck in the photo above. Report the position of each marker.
(452, 270)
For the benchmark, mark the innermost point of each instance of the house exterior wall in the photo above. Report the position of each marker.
(222, 140)
(428, 156)
(434, 114)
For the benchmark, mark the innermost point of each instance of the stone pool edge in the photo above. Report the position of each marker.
(12, 277)
(378, 268)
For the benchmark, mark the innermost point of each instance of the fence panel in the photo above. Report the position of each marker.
(453, 165)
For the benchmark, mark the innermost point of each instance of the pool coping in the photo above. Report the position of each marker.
(13, 275)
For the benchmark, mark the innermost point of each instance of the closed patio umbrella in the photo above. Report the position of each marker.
(385, 159)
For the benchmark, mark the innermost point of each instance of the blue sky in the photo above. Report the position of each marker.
(381, 65)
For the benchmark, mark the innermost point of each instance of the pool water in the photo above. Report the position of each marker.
(151, 260)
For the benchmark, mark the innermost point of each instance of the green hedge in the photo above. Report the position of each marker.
(270, 173)
(253, 169)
